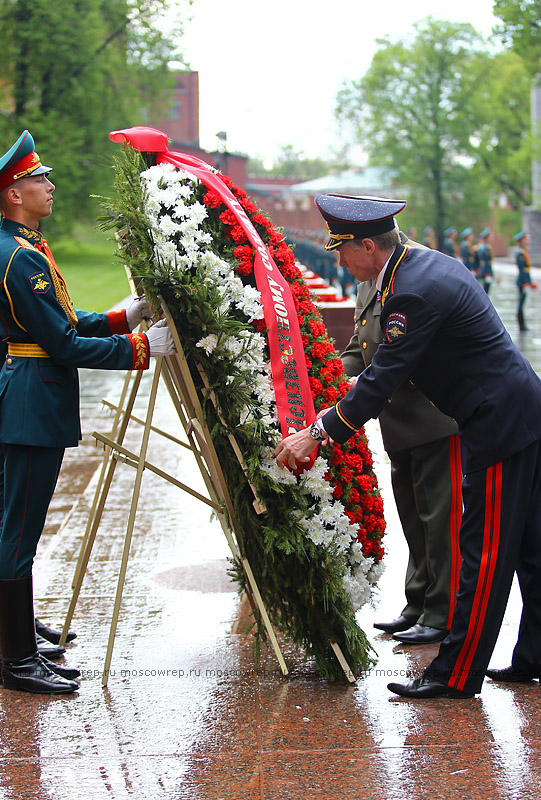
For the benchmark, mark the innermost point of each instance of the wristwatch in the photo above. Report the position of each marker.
(316, 431)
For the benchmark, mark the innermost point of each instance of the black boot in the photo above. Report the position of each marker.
(22, 666)
(521, 322)
(51, 634)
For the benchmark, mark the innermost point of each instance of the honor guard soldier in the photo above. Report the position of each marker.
(44, 339)
(429, 240)
(450, 246)
(484, 259)
(467, 251)
(441, 331)
(524, 279)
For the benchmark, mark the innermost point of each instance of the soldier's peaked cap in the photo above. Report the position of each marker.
(348, 217)
(20, 160)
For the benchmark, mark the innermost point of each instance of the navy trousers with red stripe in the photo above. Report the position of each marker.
(500, 535)
(28, 476)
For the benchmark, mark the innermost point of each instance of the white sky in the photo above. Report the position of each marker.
(269, 73)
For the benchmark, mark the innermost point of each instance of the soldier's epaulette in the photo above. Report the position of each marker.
(25, 243)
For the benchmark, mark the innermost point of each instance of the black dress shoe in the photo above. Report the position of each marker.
(47, 649)
(421, 634)
(31, 674)
(69, 673)
(400, 624)
(426, 687)
(513, 674)
(51, 634)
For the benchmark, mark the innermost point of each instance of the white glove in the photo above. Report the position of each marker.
(160, 340)
(137, 311)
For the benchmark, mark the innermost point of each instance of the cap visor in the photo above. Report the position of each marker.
(43, 170)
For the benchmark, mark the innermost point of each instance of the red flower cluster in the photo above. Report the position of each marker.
(350, 465)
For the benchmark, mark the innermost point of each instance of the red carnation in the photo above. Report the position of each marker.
(330, 396)
(228, 218)
(213, 200)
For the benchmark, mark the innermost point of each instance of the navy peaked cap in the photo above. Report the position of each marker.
(348, 217)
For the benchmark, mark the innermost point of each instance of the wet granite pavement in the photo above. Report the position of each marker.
(186, 714)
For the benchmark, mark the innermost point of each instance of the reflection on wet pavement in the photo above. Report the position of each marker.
(187, 714)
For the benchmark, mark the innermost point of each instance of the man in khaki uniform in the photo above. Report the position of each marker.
(424, 451)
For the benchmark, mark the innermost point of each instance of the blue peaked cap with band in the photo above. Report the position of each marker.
(348, 217)
(20, 161)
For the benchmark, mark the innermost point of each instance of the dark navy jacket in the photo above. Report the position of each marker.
(39, 397)
(441, 331)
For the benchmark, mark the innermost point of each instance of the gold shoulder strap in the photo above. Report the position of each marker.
(59, 285)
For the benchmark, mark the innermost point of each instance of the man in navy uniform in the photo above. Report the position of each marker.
(441, 331)
(424, 451)
(44, 340)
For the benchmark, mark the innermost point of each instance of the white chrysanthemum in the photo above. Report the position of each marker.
(208, 343)
(167, 226)
(278, 474)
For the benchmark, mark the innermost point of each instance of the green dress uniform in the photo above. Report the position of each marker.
(423, 448)
(44, 340)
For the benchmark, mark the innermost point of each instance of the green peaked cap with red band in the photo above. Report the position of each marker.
(20, 161)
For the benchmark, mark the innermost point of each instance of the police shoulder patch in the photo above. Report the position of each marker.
(40, 282)
(397, 326)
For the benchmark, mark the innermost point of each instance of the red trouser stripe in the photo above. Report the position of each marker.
(455, 520)
(489, 556)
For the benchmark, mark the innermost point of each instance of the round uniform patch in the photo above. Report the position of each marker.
(40, 282)
(397, 325)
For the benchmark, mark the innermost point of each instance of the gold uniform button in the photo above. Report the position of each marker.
(363, 322)
(10, 361)
(364, 345)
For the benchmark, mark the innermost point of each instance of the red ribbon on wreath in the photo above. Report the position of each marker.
(294, 400)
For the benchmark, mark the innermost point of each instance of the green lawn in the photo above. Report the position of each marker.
(95, 277)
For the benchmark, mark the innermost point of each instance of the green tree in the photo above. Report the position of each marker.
(292, 163)
(73, 71)
(521, 28)
(501, 140)
(415, 110)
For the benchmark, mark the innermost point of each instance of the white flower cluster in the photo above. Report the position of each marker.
(182, 243)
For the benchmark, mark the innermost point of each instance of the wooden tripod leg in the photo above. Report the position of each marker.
(131, 522)
(264, 616)
(105, 461)
(348, 672)
(96, 518)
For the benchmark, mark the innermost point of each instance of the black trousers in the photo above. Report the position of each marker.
(500, 535)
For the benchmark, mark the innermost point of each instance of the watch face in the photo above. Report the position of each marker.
(315, 432)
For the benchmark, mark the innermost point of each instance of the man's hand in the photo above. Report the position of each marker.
(160, 340)
(137, 311)
(295, 447)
